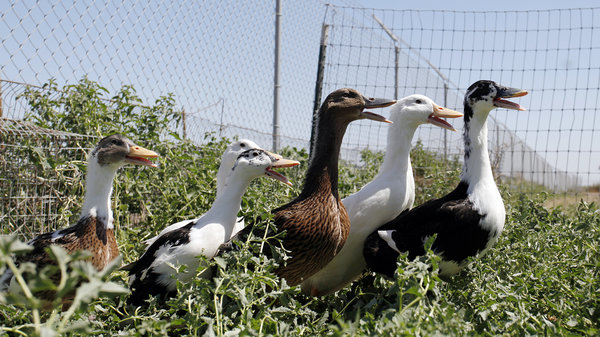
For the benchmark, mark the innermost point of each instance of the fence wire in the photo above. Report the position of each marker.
(217, 58)
(554, 54)
(34, 197)
(204, 52)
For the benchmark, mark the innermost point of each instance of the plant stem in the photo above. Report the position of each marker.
(27, 292)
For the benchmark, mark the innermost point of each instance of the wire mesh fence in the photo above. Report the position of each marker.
(554, 54)
(217, 58)
(34, 195)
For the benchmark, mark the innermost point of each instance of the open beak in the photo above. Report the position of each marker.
(280, 162)
(440, 112)
(138, 156)
(506, 92)
(373, 103)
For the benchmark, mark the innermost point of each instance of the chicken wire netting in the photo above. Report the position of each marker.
(216, 57)
(36, 195)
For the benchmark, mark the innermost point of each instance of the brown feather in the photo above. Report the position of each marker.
(88, 234)
(317, 228)
(316, 222)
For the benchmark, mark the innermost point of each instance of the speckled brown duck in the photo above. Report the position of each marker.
(94, 231)
(316, 222)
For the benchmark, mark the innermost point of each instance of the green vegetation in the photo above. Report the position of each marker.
(541, 278)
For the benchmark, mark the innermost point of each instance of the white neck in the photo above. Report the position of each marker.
(397, 155)
(476, 167)
(98, 189)
(222, 175)
(225, 208)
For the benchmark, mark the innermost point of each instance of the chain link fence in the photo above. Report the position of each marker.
(218, 60)
(215, 56)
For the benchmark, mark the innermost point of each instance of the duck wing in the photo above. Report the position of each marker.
(89, 233)
(170, 239)
(314, 235)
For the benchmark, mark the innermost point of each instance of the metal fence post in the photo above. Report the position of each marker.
(319, 83)
(276, 77)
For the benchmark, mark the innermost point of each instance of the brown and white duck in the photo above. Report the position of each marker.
(94, 231)
(316, 222)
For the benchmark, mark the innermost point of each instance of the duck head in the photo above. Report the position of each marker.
(117, 150)
(256, 163)
(230, 156)
(236, 148)
(485, 95)
(418, 109)
(347, 105)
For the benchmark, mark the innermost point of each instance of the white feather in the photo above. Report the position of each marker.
(387, 237)
(227, 161)
(209, 231)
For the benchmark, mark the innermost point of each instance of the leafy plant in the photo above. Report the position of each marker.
(78, 284)
(541, 278)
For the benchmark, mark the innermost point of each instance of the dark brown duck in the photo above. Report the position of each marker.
(316, 222)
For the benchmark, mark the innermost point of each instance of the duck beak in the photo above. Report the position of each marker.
(274, 155)
(280, 162)
(506, 92)
(375, 103)
(138, 156)
(441, 112)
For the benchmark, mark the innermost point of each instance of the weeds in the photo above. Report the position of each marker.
(541, 278)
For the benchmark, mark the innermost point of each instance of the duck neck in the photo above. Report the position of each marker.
(225, 208)
(476, 165)
(397, 155)
(98, 189)
(324, 160)
(222, 177)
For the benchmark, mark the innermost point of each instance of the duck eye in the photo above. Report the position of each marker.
(242, 145)
(419, 101)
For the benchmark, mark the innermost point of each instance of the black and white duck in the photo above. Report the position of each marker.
(154, 272)
(228, 159)
(467, 221)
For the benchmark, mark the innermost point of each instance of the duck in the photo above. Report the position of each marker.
(228, 159)
(390, 193)
(94, 231)
(468, 221)
(154, 274)
(316, 222)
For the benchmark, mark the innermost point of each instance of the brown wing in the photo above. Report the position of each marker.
(317, 228)
(88, 234)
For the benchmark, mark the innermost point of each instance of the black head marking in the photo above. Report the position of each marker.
(252, 154)
(483, 90)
